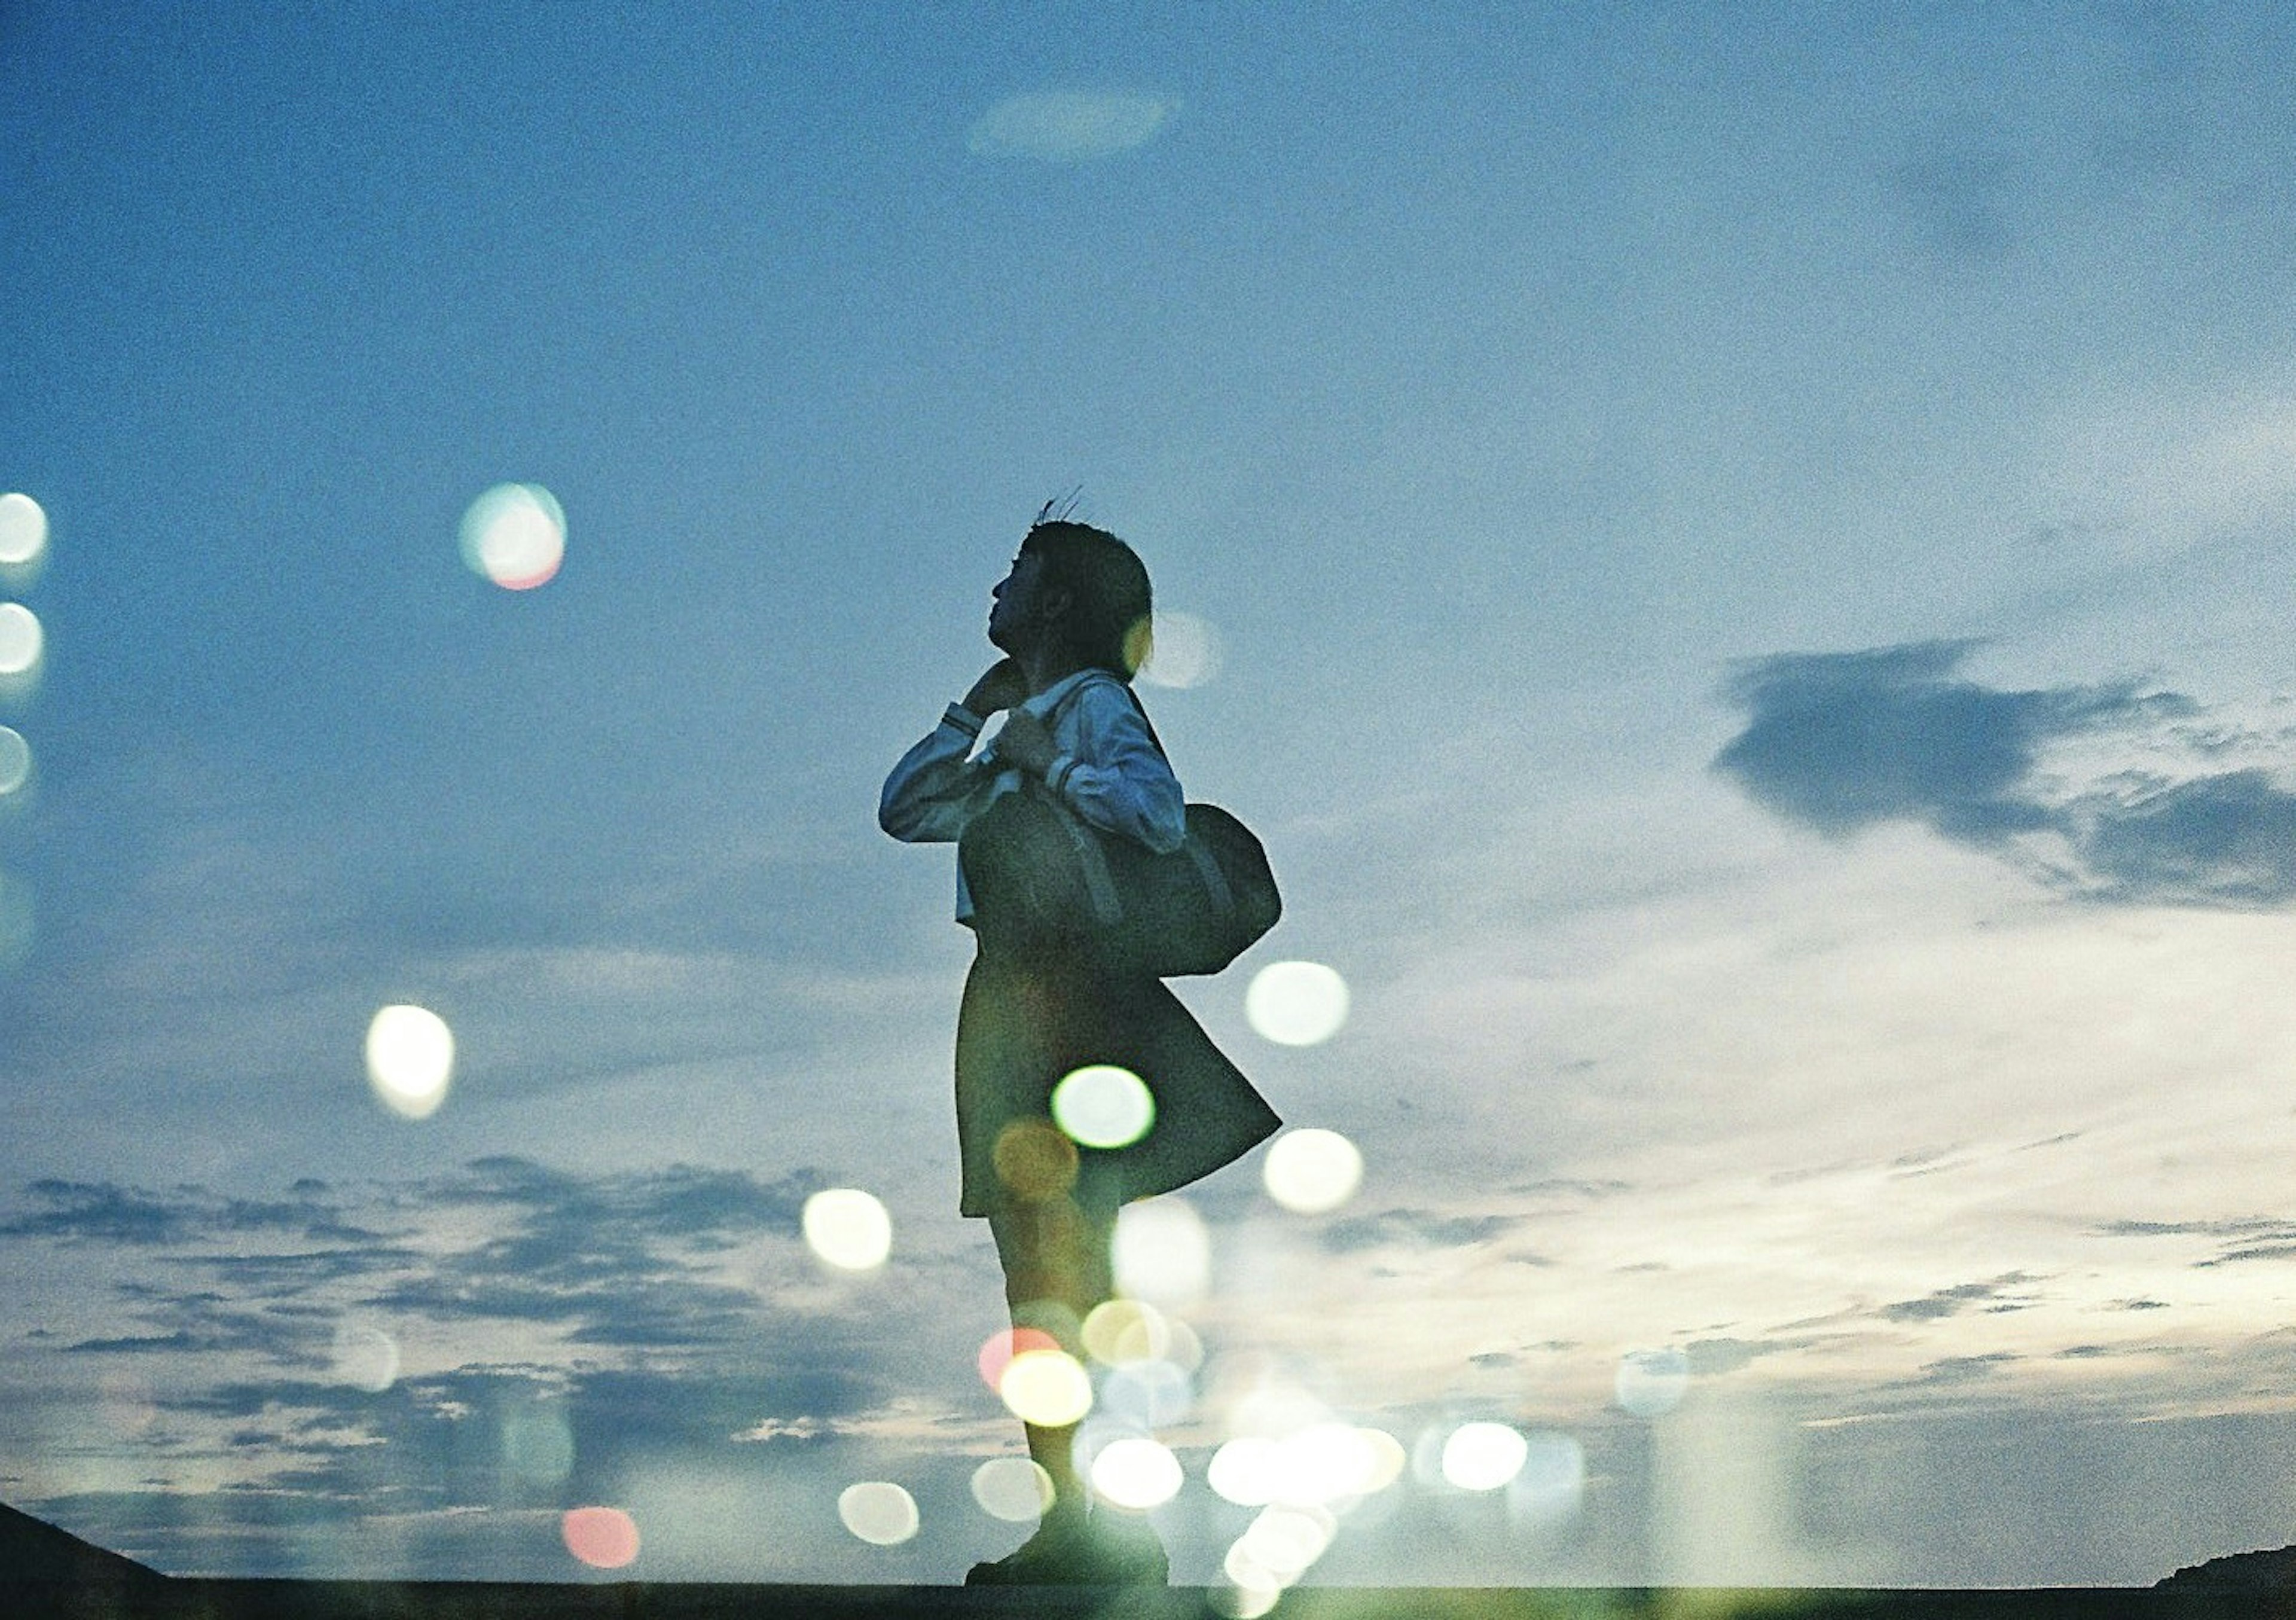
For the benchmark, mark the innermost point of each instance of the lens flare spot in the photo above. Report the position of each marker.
(1121, 1331)
(1035, 1160)
(410, 1058)
(1296, 1003)
(1247, 1471)
(1185, 653)
(22, 639)
(23, 531)
(1148, 1395)
(1251, 1595)
(996, 1353)
(1049, 1389)
(1136, 1473)
(1283, 1541)
(366, 1357)
(603, 1538)
(515, 536)
(1483, 1456)
(15, 761)
(1162, 1252)
(537, 1444)
(879, 1512)
(1013, 1489)
(1103, 1107)
(1310, 1171)
(1553, 1480)
(1652, 1382)
(848, 1229)
(1325, 1462)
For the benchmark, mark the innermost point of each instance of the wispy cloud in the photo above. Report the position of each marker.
(1069, 125)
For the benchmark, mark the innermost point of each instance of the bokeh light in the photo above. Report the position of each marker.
(1148, 1395)
(1248, 1471)
(603, 1538)
(1242, 1602)
(364, 1357)
(1186, 652)
(1136, 1473)
(15, 761)
(23, 531)
(1124, 1330)
(1281, 1544)
(1035, 1159)
(1310, 1171)
(1553, 1481)
(22, 639)
(410, 1058)
(1483, 1456)
(1323, 1464)
(1162, 1252)
(997, 1350)
(879, 1512)
(537, 1443)
(1651, 1382)
(1296, 1003)
(515, 536)
(848, 1229)
(1049, 1389)
(1102, 1106)
(1014, 1489)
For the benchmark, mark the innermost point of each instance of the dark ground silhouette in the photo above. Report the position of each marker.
(46, 1572)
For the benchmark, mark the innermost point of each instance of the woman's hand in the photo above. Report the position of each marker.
(1000, 686)
(1026, 742)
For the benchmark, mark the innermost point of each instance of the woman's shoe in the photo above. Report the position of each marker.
(1131, 1552)
(1062, 1553)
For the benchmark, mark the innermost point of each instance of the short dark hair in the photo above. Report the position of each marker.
(1111, 612)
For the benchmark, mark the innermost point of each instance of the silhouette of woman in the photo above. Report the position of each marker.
(1071, 619)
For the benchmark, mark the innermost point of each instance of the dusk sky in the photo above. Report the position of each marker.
(1739, 558)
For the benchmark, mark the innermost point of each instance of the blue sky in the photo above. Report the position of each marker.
(1747, 555)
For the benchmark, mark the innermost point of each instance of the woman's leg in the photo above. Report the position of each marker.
(1055, 1253)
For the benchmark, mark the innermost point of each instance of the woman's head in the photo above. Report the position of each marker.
(1092, 590)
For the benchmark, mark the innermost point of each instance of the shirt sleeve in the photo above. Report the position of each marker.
(930, 794)
(1114, 775)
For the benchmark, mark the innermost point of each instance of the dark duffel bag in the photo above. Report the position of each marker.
(1042, 879)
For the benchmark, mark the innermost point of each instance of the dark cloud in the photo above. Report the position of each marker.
(1421, 1228)
(2246, 1227)
(2258, 1250)
(1965, 1369)
(1840, 742)
(1953, 1301)
(621, 1260)
(2228, 839)
(106, 1213)
(1711, 1357)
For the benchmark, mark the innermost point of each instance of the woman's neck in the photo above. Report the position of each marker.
(1048, 668)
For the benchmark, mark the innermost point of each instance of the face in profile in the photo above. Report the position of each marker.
(1016, 609)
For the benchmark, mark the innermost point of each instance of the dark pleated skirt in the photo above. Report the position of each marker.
(1028, 1021)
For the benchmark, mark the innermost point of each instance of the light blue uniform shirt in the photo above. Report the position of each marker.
(1106, 768)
